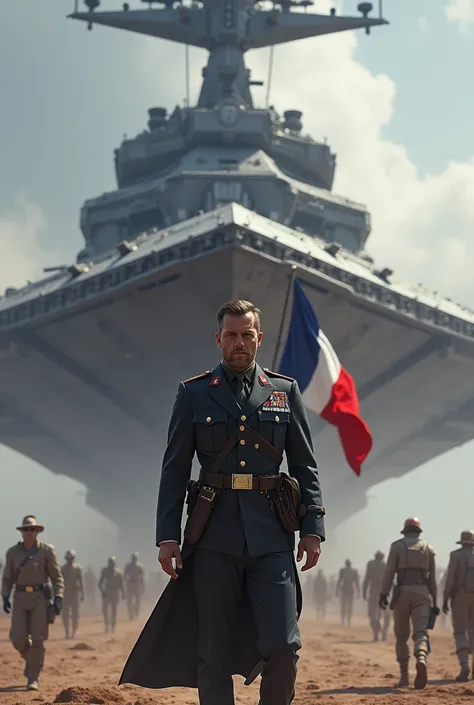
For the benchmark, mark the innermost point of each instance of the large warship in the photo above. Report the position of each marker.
(218, 201)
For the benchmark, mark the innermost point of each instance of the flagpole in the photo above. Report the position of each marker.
(283, 315)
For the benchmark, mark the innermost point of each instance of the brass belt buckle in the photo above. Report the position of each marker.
(241, 482)
(29, 588)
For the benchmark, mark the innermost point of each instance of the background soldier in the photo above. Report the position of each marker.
(111, 586)
(73, 592)
(29, 565)
(134, 575)
(347, 584)
(460, 588)
(412, 560)
(320, 595)
(373, 581)
(90, 584)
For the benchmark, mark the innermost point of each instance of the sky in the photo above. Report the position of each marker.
(395, 106)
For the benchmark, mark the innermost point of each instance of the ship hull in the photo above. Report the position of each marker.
(88, 392)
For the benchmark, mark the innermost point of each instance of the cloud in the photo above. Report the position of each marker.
(422, 226)
(21, 254)
(461, 12)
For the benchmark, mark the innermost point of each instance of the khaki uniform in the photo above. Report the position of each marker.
(379, 618)
(412, 560)
(459, 587)
(347, 586)
(320, 594)
(73, 593)
(111, 587)
(29, 627)
(134, 575)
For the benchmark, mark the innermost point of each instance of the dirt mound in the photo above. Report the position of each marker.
(94, 696)
(82, 646)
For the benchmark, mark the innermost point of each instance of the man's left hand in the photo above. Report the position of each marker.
(311, 545)
(58, 602)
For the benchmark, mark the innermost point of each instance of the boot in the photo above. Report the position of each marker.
(403, 682)
(32, 684)
(463, 675)
(421, 677)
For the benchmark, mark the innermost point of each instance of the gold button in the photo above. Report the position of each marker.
(256, 446)
(243, 418)
(277, 418)
(242, 463)
(208, 419)
(242, 442)
(241, 428)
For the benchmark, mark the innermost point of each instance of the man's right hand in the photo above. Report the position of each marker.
(383, 602)
(7, 605)
(169, 550)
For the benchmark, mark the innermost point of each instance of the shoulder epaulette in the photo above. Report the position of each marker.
(271, 373)
(201, 376)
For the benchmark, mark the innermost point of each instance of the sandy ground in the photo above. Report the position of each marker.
(337, 666)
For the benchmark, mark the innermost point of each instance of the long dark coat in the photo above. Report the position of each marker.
(165, 653)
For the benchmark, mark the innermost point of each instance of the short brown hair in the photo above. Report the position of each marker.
(238, 307)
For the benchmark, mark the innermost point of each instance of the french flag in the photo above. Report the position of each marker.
(327, 388)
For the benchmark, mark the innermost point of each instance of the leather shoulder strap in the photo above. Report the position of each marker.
(221, 458)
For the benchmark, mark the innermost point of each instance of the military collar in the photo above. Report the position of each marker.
(231, 374)
(220, 391)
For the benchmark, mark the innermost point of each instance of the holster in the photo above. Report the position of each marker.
(287, 501)
(204, 503)
(395, 596)
(48, 596)
(50, 613)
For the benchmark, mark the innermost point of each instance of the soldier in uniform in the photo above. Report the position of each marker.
(320, 595)
(373, 583)
(239, 574)
(347, 585)
(459, 588)
(412, 560)
(134, 575)
(73, 593)
(111, 587)
(29, 565)
(90, 584)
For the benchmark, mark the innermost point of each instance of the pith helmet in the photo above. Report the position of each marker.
(411, 524)
(466, 537)
(70, 553)
(30, 522)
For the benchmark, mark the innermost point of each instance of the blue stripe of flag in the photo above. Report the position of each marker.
(301, 354)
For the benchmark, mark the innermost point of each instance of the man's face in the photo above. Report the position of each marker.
(239, 340)
(30, 535)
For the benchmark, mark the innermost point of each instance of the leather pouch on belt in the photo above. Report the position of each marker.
(198, 518)
(287, 503)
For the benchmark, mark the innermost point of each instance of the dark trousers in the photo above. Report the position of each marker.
(269, 582)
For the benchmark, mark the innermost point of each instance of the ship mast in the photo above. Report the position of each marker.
(227, 29)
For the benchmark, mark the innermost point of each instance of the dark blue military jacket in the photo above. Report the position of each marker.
(205, 415)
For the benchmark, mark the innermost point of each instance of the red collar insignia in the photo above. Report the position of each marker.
(215, 382)
(263, 381)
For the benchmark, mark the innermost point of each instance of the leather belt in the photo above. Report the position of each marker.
(29, 588)
(240, 481)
